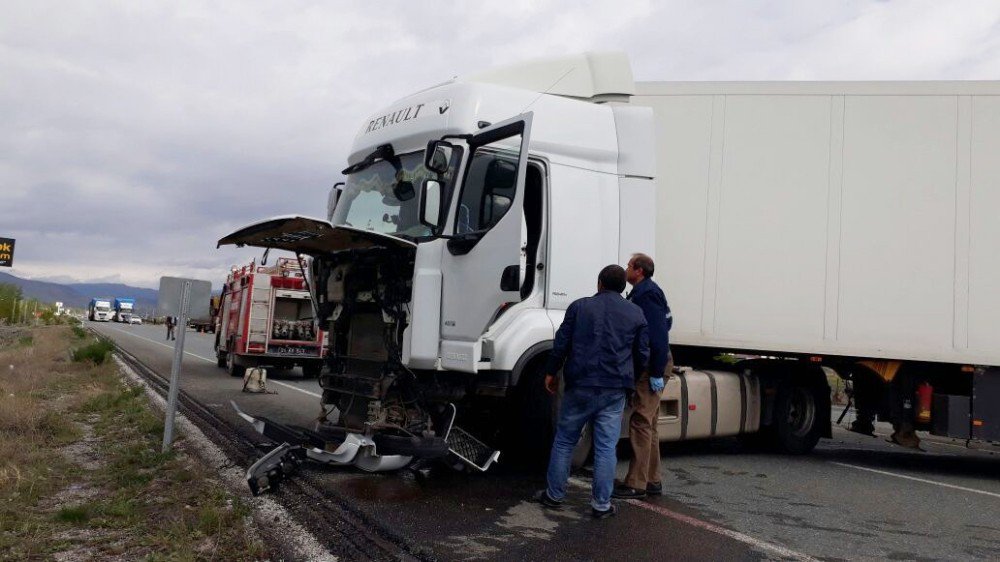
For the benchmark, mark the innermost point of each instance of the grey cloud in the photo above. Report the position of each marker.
(148, 131)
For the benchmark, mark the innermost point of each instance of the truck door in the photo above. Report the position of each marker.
(481, 269)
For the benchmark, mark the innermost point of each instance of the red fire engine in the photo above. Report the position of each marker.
(266, 320)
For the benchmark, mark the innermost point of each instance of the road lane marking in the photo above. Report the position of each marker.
(710, 527)
(293, 387)
(167, 345)
(272, 381)
(924, 480)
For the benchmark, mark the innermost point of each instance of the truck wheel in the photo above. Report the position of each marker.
(220, 360)
(232, 368)
(311, 371)
(528, 435)
(797, 424)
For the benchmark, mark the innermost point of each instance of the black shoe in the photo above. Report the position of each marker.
(627, 493)
(654, 489)
(609, 512)
(542, 497)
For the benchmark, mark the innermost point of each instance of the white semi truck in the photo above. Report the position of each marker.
(815, 227)
(99, 310)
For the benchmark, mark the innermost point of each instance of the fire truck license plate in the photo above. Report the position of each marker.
(289, 350)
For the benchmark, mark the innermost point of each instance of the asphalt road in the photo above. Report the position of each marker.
(854, 498)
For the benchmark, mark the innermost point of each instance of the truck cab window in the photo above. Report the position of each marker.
(489, 188)
(532, 227)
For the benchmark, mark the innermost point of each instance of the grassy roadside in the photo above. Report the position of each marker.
(81, 473)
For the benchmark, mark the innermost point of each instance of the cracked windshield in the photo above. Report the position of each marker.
(369, 203)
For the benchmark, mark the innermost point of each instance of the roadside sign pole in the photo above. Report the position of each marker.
(175, 368)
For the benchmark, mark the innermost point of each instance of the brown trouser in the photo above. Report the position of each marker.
(645, 465)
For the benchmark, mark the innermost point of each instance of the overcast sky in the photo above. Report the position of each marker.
(133, 135)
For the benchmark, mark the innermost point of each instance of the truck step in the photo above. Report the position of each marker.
(470, 450)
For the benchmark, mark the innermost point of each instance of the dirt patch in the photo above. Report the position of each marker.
(74, 494)
(84, 451)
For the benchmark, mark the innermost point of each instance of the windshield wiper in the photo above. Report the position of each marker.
(383, 152)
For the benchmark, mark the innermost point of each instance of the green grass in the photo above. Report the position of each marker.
(76, 514)
(79, 333)
(96, 352)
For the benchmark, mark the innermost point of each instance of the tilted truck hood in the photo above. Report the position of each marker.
(309, 236)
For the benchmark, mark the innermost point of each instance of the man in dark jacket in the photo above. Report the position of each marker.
(600, 340)
(644, 469)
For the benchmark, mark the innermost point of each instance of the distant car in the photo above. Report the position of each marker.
(135, 320)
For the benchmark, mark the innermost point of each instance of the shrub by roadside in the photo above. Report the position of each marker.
(81, 475)
(96, 352)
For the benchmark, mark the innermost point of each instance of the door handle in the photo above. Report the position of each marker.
(510, 279)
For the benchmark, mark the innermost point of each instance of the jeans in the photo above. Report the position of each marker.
(603, 407)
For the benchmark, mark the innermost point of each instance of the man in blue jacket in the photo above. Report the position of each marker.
(600, 340)
(644, 469)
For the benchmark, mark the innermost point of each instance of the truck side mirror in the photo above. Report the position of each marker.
(331, 202)
(438, 156)
(430, 203)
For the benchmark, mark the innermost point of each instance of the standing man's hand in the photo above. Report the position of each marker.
(656, 384)
(551, 384)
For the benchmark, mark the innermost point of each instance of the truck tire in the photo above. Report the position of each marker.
(232, 368)
(797, 423)
(311, 371)
(528, 436)
(220, 359)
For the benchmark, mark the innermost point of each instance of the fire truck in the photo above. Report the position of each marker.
(266, 319)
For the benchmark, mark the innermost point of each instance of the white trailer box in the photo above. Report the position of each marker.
(843, 218)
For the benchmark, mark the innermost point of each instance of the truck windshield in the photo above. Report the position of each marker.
(368, 201)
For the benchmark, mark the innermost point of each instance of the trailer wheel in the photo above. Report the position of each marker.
(220, 360)
(232, 368)
(797, 424)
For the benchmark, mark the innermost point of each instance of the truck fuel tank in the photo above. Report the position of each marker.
(708, 403)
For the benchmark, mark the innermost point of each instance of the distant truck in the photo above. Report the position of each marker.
(208, 324)
(124, 308)
(266, 319)
(99, 310)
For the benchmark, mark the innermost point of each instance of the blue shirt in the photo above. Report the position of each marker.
(600, 339)
(650, 298)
